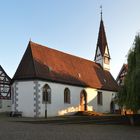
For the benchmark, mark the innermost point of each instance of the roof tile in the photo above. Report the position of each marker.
(40, 62)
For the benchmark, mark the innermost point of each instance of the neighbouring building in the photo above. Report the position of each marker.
(121, 76)
(120, 81)
(50, 82)
(5, 93)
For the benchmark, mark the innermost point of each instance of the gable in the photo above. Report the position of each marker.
(98, 54)
(52, 65)
(4, 85)
(106, 51)
(122, 72)
(4, 78)
(26, 68)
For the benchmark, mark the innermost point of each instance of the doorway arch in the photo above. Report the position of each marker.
(83, 101)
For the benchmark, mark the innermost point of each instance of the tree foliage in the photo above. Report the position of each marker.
(129, 94)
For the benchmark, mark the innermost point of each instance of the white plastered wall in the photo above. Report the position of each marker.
(57, 106)
(5, 105)
(106, 66)
(99, 58)
(107, 97)
(24, 99)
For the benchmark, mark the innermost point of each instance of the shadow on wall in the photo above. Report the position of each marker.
(106, 81)
(53, 74)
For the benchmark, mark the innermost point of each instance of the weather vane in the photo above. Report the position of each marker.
(101, 10)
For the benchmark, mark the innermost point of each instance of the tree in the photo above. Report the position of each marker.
(129, 94)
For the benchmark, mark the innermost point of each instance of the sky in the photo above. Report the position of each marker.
(70, 26)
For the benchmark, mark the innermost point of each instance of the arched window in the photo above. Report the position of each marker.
(46, 94)
(67, 96)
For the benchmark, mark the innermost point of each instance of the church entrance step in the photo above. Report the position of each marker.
(88, 113)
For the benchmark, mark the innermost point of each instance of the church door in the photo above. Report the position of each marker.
(83, 101)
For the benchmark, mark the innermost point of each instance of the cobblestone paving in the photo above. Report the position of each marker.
(27, 131)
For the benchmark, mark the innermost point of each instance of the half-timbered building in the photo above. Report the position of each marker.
(5, 91)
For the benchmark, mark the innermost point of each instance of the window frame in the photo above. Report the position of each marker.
(100, 98)
(67, 96)
(46, 94)
(106, 60)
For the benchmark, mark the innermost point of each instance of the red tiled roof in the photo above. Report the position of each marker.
(40, 62)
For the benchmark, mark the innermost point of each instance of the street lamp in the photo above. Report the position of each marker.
(47, 94)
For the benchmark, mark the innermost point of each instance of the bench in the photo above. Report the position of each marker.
(15, 114)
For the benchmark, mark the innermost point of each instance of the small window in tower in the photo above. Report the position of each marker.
(106, 60)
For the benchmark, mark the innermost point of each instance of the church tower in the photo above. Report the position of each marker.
(102, 55)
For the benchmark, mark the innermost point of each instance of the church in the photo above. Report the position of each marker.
(49, 82)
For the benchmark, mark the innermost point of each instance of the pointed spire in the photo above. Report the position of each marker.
(102, 55)
(102, 41)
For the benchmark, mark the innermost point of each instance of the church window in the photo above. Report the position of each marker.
(67, 96)
(46, 94)
(99, 98)
(106, 60)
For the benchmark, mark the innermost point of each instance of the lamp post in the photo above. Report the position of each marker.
(47, 94)
(45, 109)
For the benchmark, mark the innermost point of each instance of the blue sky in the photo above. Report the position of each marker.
(68, 25)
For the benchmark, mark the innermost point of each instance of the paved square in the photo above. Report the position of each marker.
(11, 130)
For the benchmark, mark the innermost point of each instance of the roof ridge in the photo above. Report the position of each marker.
(5, 72)
(63, 52)
(29, 45)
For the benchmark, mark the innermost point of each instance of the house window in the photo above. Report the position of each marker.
(67, 96)
(46, 94)
(106, 60)
(99, 98)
